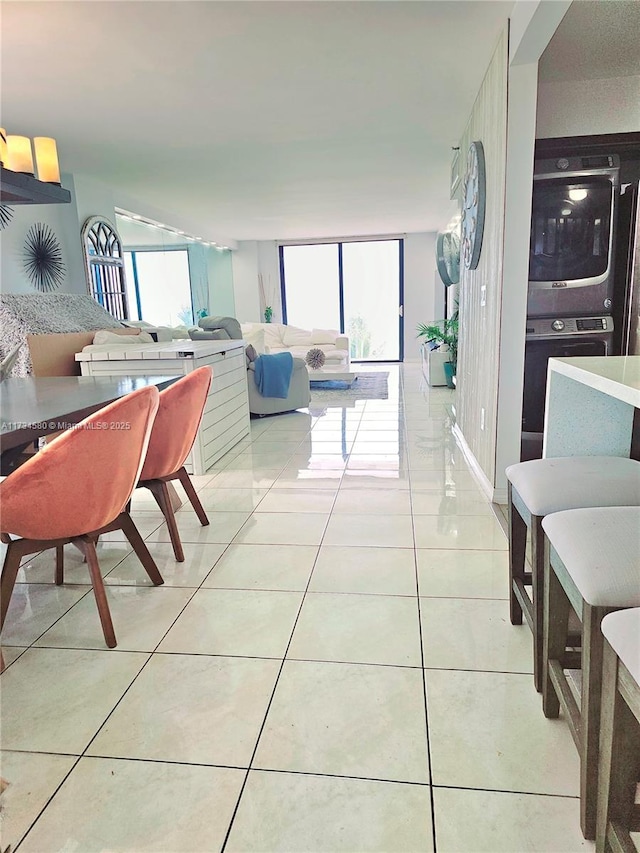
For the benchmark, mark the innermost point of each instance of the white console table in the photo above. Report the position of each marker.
(226, 415)
(593, 407)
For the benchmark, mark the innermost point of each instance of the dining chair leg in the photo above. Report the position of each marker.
(163, 498)
(59, 565)
(142, 552)
(187, 485)
(8, 579)
(517, 548)
(88, 548)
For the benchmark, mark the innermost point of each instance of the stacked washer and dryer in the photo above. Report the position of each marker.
(571, 273)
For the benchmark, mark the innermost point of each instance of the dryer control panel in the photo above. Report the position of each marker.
(551, 327)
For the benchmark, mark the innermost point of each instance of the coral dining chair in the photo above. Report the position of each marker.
(174, 432)
(77, 488)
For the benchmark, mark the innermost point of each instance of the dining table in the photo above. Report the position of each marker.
(33, 407)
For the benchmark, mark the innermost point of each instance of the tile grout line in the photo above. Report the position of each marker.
(273, 692)
(424, 676)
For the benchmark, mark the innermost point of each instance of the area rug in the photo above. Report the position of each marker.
(366, 386)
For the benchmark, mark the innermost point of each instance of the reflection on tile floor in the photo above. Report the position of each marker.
(332, 668)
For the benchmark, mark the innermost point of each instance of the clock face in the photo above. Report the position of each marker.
(473, 206)
(448, 256)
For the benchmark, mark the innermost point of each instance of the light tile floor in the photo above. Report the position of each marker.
(331, 669)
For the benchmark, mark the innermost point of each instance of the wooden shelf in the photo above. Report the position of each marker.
(18, 188)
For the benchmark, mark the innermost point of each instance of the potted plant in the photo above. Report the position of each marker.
(443, 333)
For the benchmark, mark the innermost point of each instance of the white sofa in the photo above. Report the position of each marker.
(276, 337)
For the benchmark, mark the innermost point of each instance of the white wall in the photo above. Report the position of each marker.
(220, 283)
(480, 300)
(423, 289)
(245, 282)
(93, 198)
(63, 220)
(585, 107)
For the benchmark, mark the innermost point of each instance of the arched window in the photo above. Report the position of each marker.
(104, 266)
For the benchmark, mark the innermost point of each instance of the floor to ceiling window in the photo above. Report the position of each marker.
(158, 286)
(353, 286)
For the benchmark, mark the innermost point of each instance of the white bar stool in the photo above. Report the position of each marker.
(619, 764)
(543, 486)
(592, 565)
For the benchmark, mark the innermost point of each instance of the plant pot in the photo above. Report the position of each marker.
(433, 362)
(448, 374)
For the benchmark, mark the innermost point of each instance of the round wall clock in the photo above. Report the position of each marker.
(473, 206)
(448, 256)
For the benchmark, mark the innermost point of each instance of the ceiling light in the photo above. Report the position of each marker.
(578, 195)
(566, 212)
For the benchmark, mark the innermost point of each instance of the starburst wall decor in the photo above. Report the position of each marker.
(43, 258)
(6, 215)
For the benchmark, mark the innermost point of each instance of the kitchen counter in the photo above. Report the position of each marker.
(225, 420)
(593, 407)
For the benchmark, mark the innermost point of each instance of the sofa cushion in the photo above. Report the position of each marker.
(273, 335)
(254, 335)
(323, 336)
(332, 355)
(105, 337)
(295, 337)
(229, 324)
(209, 335)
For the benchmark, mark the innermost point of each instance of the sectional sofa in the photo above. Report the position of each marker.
(276, 337)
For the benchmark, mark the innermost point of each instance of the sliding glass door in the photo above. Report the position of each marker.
(354, 286)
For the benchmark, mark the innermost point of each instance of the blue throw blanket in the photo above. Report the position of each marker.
(273, 374)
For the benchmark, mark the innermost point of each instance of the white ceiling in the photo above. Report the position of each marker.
(595, 40)
(257, 120)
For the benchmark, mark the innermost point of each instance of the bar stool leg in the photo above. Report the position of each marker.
(555, 632)
(619, 764)
(537, 593)
(592, 652)
(517, 549)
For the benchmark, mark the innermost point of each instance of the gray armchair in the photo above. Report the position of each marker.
(226, 328)
(299, 394)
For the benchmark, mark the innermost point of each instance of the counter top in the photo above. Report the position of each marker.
(618, 375)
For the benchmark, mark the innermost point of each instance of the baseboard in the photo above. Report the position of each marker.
(498, 496)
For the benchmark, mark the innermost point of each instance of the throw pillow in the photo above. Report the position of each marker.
(294, 337)
(104, 337)
(251, 353)
(256, 338)
(208, 335)
(229, 324)
(324, 336)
